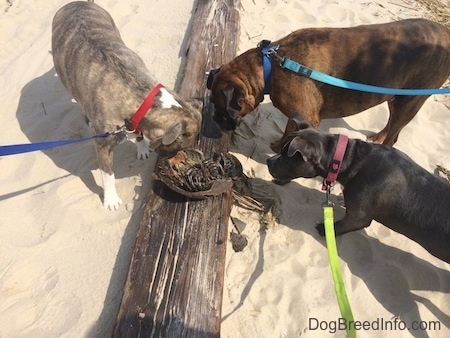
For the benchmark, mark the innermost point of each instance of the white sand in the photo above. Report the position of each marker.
(64, 259)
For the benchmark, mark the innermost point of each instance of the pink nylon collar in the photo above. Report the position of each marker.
(133, 123)
(335, 165)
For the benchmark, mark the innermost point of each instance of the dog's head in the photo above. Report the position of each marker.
(230, 95)
(172, 129)
(301, 154)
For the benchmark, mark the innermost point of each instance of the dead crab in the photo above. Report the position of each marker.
(190, 174)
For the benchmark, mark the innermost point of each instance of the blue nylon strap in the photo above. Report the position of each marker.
(266, 48)
(28, 147)
(267, 66)
(331, 80)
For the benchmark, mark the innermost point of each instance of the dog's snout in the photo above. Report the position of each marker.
(224, 121)
(271, 163)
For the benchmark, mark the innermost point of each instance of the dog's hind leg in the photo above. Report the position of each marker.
(402, 110)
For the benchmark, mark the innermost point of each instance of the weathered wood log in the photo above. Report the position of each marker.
(175, 281)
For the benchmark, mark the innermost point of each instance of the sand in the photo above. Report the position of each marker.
(64, 259)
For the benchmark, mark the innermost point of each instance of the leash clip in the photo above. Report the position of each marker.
(327, 202)
(263, 44)
(268, 49)
(117, 131)
(126, 129)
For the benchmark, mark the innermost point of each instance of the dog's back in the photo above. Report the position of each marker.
(90, 57)
(415, 203)
(386, 185)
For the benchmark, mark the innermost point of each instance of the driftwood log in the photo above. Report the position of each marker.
(175, 281)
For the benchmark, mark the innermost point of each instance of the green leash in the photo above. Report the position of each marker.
(341, 294)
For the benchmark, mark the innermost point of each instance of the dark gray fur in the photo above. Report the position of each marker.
(380, 183)
(110, 82)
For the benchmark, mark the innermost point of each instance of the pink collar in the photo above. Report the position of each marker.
(335, 165)
(133, 123)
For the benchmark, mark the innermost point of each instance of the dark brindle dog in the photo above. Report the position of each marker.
(380, 183)
(412, 53)
(110, 82)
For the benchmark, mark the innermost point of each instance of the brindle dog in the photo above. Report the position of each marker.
(413, 53)
(110, 82)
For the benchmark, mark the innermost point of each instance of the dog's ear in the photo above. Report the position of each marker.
(173, 133)
(196, 103)
(210, 79)
(311, 151)
(234, 98)
(296, 124)
(293, 124)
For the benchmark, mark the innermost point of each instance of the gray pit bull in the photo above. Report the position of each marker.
(110, 82)
(380, 183)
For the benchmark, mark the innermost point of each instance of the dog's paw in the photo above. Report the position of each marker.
(143, 149)
(142, 155)
(112, 202)
(320, 227)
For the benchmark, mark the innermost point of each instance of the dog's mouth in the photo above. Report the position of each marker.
(224, 121)
(276, 170)
(164, 153)
(271, 164)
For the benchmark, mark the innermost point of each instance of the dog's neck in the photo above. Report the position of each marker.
(133, 123)
(254, 88)
(336, 161)
(355, 157)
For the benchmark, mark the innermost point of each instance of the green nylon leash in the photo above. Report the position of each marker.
(341, 294)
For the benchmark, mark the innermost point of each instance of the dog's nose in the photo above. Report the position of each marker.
(223, 121)
(271, 163)
(272, 159)
(272, 166)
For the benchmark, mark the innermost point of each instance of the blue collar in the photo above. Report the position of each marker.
(267, 49)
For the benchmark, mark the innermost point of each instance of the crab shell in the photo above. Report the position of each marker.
(219, 186)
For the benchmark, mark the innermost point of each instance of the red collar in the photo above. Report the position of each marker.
(133, 123)
(335, 165)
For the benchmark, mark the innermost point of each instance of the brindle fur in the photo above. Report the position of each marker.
(413, 53)
(110, 82)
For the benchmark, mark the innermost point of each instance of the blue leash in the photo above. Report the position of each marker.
(270, 51)
(28, 147)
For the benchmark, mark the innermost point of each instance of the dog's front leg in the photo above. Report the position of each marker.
(104, 148)
(143, 147)
(352, 221)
